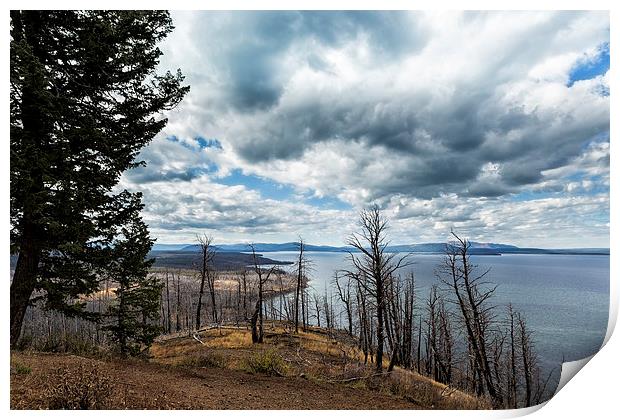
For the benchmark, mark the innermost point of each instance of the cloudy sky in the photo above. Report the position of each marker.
(494, 124)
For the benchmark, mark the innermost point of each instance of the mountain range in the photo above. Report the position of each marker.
(477, 248)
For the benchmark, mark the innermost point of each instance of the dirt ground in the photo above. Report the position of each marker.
(139, 384)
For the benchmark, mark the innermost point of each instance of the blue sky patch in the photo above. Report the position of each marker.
(203, 143)
(273, 190)
(266, 187)
(208, 143)
(591, 69)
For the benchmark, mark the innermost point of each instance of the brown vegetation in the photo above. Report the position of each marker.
(308, 370)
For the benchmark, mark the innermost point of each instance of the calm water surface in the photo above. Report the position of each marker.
(565, 298)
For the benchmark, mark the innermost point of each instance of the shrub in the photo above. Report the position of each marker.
(25, 342)
(268, 362)
(20, 369)
(69, 343)
(84, 388)
(213, 360)
(79, 345)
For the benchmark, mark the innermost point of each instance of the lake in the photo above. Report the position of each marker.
(564, 298)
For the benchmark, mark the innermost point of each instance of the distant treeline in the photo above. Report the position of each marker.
(222, 260)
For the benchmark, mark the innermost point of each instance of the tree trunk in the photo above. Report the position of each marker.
(199, 306)
(419, 345)
(380, 308)
(245, 294)
(122, 313)
(24, 282)
(254, 322)
(178, 327)
(169, 323)
(512, 391)
(525, 353)
(211, 280)
(298, 288)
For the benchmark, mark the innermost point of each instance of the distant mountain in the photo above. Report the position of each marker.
(492, 245)
(235, 255)
(477, 248)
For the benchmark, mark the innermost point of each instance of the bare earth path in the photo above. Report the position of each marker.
(144, 385)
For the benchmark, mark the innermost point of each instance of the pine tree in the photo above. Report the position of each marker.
(133, 316)
(84, 99)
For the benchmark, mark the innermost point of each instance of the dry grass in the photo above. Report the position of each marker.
(428, 393)
(267, 361)
(174, 348)
(314, 355)
(229, 339)
(140, 384)
(328, 368)
(79, 389)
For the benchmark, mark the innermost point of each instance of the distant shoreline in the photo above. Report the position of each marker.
(232, 260)
(477, 248)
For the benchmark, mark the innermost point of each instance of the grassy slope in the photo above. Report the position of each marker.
(289, 371)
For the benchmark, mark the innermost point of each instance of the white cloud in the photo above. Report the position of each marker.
(430, 115)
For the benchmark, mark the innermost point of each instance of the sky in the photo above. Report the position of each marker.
(494, 124)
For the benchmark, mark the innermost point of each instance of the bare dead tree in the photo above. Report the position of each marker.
(344, 294)
(497, 347)
(211, 275)
(524, 339)
(363, 316)
(163, 313)
(299, 285)
(407, 327)
(399, 318)
(257, 316)
(317, 306)
(445, 341)
(328, 314)
(432, 353)
(178, 306)
(459, 275)
(285, 310)
(439, 338)
(418, 353)
(377, 264)
(512, 372)
(244, 274)
(169, 318)
(238, 312)
(207, 254)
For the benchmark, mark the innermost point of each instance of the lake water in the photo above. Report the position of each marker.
(564, 298)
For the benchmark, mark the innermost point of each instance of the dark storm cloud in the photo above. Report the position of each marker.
(428, 177)
(250, 46)
(240, 221)
(155, 174)
(391, 33)
(487, 189)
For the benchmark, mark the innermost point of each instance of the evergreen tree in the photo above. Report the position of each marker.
(84, 99)
(133, 316)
